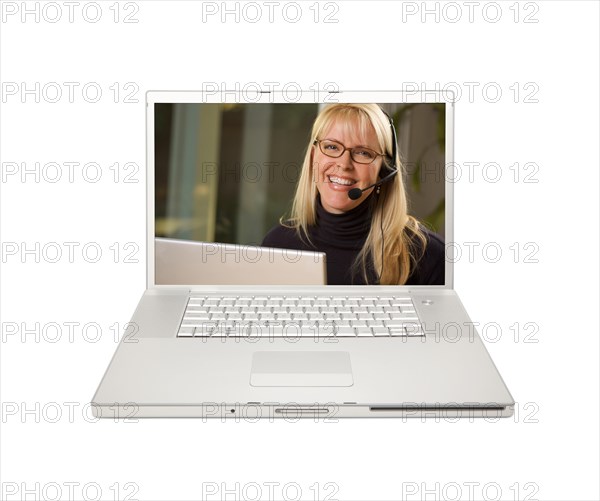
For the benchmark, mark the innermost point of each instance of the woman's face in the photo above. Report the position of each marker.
(337, 176)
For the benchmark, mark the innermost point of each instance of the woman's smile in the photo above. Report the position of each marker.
(341, 183)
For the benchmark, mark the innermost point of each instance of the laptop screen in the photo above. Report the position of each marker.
(301, 178)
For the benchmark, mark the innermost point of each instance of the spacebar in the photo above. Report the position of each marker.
(291, 331)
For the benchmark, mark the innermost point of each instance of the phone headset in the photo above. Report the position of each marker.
(356, 193)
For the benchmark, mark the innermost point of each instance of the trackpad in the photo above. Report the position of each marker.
(301, 368)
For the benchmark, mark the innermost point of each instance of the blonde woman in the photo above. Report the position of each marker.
(351, 204)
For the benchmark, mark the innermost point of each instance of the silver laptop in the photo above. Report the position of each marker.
(180, 262)
(266, 338)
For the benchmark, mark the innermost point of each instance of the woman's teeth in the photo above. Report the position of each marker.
(339, 180)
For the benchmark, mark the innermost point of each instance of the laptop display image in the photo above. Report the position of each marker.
(296, 263)
(232, 174)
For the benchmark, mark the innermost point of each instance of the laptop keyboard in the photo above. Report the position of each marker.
(299, 316)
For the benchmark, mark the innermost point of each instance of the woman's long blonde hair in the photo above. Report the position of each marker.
(399, 252)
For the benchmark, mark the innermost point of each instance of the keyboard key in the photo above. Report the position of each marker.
(300, 316)
(401, 302)
(397, 322)
(194, 323)
(186, 331)
(328, 309)
(397, 331)
(206, 330)
(413, 329)
(382, 316)
(200, 316)
(341, 330)
(381, 331)
(202, 333)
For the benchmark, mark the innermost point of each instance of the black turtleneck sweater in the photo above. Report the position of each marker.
(342, 236)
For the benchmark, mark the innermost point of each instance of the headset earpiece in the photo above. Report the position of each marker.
(391, 164)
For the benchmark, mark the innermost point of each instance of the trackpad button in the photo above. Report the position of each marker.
(301, 368)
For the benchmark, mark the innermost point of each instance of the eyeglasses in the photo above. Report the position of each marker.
(335, 150)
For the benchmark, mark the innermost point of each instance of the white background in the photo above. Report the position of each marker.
(549, 450)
